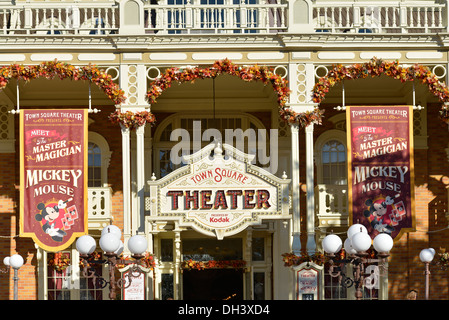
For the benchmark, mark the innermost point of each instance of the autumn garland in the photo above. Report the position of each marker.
(291, 259)
(147, 261)
(246, 73)
(212, 264)
(132, 120)
(56, 69)
(377, 67)
(59, 261)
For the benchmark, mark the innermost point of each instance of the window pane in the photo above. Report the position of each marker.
(94, 165)
(258, 247)
(167, 250)
(333, 158)
(259, 285)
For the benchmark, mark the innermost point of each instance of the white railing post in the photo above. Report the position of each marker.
(131, 17)
(189, 17)
(300, 17)
(27, 19)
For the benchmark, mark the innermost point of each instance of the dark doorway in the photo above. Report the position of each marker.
(213, 284)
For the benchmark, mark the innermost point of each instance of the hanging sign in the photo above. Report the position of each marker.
(309, 281)
(136, 289)
(219, 194)
(381, 172)
(53, 176)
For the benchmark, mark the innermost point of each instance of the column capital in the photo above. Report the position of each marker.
(133, 107)
(124, 129)
(302, 107)
(309, 128)
(294, 127)
(140, 130)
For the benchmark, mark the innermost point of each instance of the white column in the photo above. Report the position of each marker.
(139, 216)
(126, 174)
(296, 224)
(177, 257)
(311, 243)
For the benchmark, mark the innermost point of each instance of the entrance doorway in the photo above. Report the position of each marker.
(213, 284)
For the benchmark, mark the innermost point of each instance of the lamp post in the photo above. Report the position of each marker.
(426, 256)
(112, 246)
(15, 262)
(356, 245)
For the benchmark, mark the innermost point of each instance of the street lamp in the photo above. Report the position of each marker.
(112, 246)
(356, 245)
(426, 256)
(15, 262)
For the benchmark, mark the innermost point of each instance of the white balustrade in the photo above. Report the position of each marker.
(379, 16)
(59, 18)
(99, 205)
(224, 16)
(331, 204)
(229, 17)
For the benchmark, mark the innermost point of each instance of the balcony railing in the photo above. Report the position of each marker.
(331, 204)
(222, 17)
(59, 18)
(380, 16)
(229, 17)
(99, 206)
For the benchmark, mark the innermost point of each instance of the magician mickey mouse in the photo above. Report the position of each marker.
(50, 214)
(378, 214)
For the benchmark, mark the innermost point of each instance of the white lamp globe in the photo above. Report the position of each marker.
(332, 243)
(426, 255)
(112, 229)
(356, 228)
(383, 242)
(348, 247)
(6, 261)
(16, 261)
(119, 249)
(109, 242)
(137, 244)
(361, 241)
(86, 244)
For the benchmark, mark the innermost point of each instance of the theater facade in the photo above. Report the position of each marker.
(231, 136)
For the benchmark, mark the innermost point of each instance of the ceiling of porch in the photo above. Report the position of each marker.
(42, 92)
(225, 91)
(378, 91)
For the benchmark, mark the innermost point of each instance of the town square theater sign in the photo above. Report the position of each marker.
(219, 193)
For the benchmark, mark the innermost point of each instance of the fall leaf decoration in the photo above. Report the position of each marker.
(291, 259)
(212, 264)
(147, 261)
(246, 73)
(55, 69)
(377, 67)
(59, 261)
(132, 120)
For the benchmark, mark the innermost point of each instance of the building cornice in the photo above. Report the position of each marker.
(192, 42)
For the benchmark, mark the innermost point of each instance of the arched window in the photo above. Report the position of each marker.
(94, 164)
(330, 155)
(195, 127)
(333, 161)
(98, 158)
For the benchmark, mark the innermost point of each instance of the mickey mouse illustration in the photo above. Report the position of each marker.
(52, 225)
(379, 214)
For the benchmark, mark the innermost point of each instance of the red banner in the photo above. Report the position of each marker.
(380, 168)
(53, 176)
